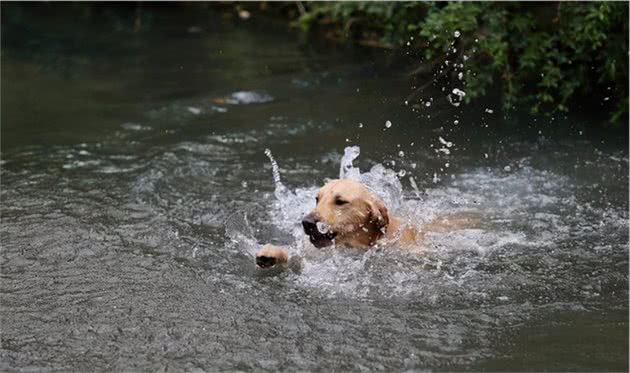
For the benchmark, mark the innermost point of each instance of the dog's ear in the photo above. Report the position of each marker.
(379, 216)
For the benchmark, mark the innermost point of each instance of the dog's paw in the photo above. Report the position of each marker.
(271, 255)
(265, 261)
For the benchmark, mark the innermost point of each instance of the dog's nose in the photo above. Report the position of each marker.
(310, 223)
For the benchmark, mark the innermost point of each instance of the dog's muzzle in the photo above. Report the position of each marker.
(317, 238)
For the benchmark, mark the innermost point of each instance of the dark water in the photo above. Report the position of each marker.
(124, 153)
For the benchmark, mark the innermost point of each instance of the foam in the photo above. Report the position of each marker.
(529, 218)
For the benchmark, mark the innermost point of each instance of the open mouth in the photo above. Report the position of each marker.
(320, 240)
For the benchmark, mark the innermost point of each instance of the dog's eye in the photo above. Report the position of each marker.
(340, 202)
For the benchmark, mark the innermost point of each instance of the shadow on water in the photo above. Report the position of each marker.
(124, 153)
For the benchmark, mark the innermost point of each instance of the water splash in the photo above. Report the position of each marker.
(280, 189)
(289, 207)
(453, 100)
(240, 232)
(323, 227)
(347, 171)
(521, 214)
(461, 94)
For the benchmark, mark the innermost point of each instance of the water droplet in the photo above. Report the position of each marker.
(323, 227)
(447, 165)
(402, 173)
(507, 168)
(436, 179)
(489, 111)
(453, 101)
(485, 155)
(360, 125)
(460, 76)
(406, 102)
(459, 92)
(413, 165)
(443, 141)
(427, 104)
(401, 153)
(388, 124)
(347, 140)
(455, 122)
(244, 184)
(456, 34)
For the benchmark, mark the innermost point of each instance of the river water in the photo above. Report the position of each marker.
(136, 188)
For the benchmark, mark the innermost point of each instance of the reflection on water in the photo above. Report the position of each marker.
(119, 174)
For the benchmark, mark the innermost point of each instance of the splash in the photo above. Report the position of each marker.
(280, 189)
(528, 222)
(347, 170)
(289, 207)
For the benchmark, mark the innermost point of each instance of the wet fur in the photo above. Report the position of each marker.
(359, 220)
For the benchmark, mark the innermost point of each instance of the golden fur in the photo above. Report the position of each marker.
(362, 219)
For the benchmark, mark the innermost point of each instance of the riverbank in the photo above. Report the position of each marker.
(546, 59)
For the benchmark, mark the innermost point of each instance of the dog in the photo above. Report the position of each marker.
(348, 214)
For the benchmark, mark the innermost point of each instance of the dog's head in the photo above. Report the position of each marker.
(346, 213)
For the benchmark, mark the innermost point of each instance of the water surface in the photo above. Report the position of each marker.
(135, 189)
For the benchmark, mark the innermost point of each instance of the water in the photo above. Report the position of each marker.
(135, 190)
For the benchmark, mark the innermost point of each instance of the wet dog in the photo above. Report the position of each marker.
(348, 214)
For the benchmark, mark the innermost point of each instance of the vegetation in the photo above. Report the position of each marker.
(546, 56)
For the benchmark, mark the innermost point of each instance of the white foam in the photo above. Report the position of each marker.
(527, 214)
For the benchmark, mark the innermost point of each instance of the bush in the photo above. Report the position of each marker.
(543, 55)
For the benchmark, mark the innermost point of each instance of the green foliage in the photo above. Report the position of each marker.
(544, 55)
(362, 20)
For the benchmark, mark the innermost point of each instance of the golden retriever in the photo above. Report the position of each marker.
(348, 214)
